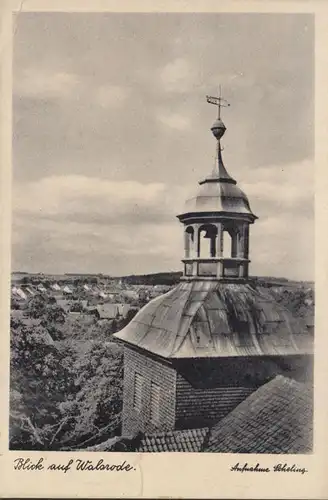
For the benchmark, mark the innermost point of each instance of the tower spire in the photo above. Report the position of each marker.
(218, 129)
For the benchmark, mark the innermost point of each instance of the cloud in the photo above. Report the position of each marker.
(288, 188)
(283, 245)
(282, 239)
(87, 200)
(129, 226)
(45, 83)
(181, 75)
(76, 223)
(174, 120)
(110, 96)
(176, 75)
(37, 82)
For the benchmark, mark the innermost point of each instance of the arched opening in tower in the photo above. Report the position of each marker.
(207, 241)
(189, 242)
(227, 244)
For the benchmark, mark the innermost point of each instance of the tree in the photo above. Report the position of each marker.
(15, 304)
(95, 411)
(54, 315)
(41, 377)
(37, 306)
(63, 393)
(77, 306)
(125, 321)
(51, 315)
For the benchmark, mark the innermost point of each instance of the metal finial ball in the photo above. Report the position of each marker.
(218, 128)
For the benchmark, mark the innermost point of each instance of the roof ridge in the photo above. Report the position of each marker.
(211, 288)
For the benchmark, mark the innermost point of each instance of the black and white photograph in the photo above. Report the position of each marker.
(162, 233)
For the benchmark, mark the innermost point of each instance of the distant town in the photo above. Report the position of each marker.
(111, 302)
(86, 298)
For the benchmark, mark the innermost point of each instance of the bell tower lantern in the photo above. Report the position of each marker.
(216, 221)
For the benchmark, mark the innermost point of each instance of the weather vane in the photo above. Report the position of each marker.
(218, 101)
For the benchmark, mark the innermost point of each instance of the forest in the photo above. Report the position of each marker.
(165, 278)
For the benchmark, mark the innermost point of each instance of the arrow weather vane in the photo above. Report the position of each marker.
(218, 101)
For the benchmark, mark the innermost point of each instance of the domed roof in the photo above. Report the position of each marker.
(206, 319)
(219, 193)
(216, 196)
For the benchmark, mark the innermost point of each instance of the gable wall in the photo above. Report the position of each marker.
(152, 371)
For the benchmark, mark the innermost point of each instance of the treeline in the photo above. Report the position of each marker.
(166, 278)
(173, 277)
(67, 279)
(272, 281)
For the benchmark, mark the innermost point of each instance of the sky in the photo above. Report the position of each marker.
(111, 134)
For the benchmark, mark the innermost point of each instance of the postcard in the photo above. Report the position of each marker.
(163, 256)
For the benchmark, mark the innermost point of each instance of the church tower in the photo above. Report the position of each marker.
(216, 222)
(193, 354)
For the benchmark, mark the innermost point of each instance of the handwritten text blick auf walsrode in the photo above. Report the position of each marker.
(26, 464)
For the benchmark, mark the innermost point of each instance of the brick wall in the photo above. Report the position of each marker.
(152, 371)
(207, 390)
(201, 407)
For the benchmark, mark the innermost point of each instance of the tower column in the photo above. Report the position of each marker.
(234, 244)
(219, 240)
(241, 239)
(246, 250)
(186, 242)
(196, 252)
(240, 252)
(197, 240)
(246, 241)
(219, 248)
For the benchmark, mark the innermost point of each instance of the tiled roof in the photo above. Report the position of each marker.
(208, 319)
(27, 321)
(16, 314)
(123, 309)
(107, 311)
(182, 440)
(277, 418)
(63, 303)
(20, 316)
(190, 440)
